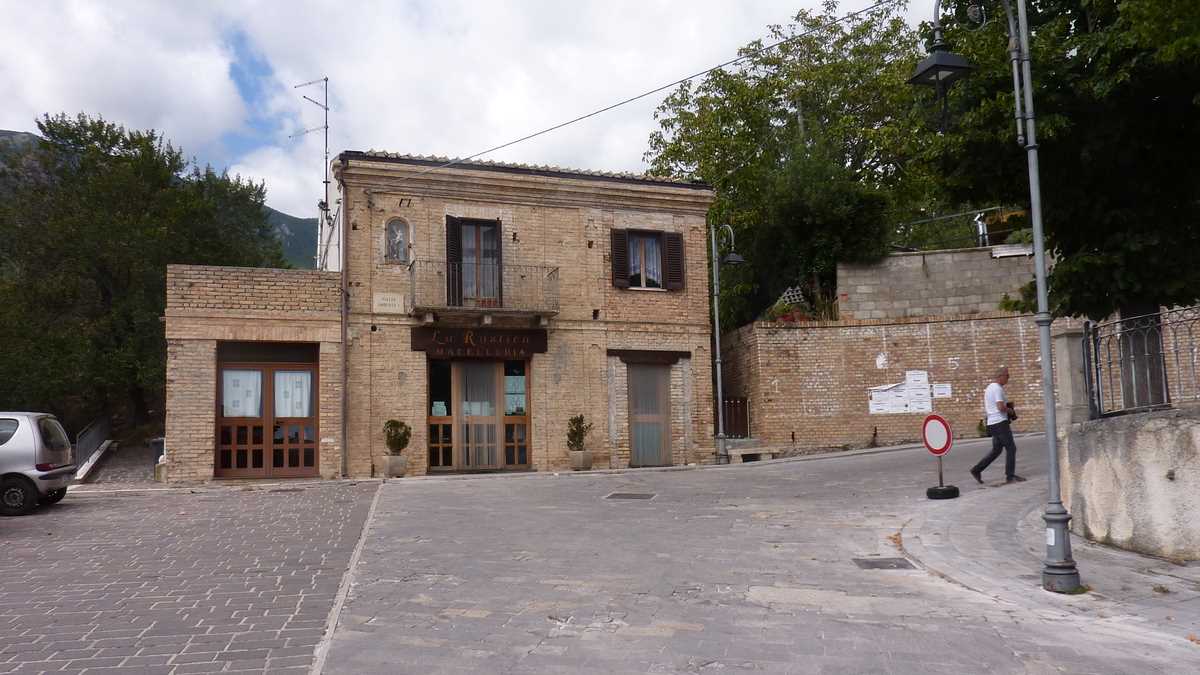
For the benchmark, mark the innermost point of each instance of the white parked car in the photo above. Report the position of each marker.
(36, 462)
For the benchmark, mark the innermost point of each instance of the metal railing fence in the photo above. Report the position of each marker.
(1142, 363)
(92, 437)
(439, 284)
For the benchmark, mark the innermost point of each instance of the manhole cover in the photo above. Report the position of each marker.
(883, 563)
(631, 495)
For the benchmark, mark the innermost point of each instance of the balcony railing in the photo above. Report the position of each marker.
(437, 285)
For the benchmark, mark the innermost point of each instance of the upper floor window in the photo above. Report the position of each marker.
(647, 259)
(396, 242)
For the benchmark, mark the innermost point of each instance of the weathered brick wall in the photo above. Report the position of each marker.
(191, 412)
(246, 289)
(931, 283)
(546, 221)
(813, 379)
(207, 305)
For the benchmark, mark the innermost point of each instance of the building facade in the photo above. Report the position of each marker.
(485, 305)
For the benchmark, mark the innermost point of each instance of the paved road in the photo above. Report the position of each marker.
(739, 569)
(175, 582)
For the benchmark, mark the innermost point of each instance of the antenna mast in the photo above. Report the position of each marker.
(324, 221)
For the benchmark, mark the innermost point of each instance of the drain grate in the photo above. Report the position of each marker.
(883, 564)
(630, 495)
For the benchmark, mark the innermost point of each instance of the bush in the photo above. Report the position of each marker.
(577, 431)
(396, 434)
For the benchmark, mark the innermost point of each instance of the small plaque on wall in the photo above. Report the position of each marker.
(389, 303)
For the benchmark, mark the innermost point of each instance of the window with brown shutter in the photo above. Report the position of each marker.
(673, 260)
(454, 285)
(647, 259)
(620, 258)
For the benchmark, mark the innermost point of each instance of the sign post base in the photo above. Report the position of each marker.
(942, 492)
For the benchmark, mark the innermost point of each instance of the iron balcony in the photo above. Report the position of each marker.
(454, 288)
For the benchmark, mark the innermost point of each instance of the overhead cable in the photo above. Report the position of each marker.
(656, 90)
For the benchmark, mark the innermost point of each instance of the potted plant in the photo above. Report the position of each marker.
(577, 431)
(396, 434)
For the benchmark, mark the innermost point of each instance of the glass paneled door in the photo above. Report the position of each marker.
(649, 418)
(266, 421)
(478, 415)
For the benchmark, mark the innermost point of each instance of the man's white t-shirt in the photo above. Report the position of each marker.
(991, 399)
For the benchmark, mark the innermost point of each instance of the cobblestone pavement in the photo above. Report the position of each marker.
(176, 582)
(734, 569)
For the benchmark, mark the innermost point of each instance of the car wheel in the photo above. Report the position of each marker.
(17, 497)
(54, 496)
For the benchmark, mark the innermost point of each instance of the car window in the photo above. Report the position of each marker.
(7, 429)
(53, 435)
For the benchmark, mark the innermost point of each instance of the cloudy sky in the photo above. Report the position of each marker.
(444, 77)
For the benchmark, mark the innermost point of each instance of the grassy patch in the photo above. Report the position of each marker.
(1080, 590)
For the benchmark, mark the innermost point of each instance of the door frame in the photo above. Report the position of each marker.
(268, 420)
(666, 451)
(457, 419)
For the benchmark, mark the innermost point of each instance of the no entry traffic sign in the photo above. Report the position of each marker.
(937, 435)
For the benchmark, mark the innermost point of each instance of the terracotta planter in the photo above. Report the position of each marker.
(396, 465)
(581, 460)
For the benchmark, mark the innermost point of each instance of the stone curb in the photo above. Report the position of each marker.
(250, 485)
(999, 556)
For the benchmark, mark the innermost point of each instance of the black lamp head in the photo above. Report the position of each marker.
(940, 67)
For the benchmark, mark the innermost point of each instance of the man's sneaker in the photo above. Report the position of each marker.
(978, 476)
(1015, 479)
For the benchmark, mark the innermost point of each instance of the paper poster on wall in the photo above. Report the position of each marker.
(916, 377)
(913, 395)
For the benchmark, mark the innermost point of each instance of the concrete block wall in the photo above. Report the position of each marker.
(813, 379)
(930, 283)
(1133, 481)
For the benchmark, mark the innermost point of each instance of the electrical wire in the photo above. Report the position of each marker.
(656, 90)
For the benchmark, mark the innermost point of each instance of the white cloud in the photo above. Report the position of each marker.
(447, 77)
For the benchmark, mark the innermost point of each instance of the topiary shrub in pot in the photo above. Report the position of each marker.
(577, 431)
(396, 434)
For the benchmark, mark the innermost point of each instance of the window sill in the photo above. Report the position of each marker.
(647, 290)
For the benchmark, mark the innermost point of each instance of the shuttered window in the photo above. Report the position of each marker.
(647, 259)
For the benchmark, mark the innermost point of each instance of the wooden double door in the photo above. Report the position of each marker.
(478, 415)
(267, 425)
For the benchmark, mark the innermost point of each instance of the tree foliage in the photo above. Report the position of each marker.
(89, 220)
(1117, 96)
(809, 146)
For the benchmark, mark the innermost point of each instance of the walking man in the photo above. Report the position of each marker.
(1000, 414)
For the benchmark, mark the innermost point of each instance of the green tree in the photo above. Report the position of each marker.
(1117, 95)
(89, 220)
(809, 146)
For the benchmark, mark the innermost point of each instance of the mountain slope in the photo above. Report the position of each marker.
(298, 236)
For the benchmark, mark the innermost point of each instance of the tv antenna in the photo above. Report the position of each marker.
(323, 205)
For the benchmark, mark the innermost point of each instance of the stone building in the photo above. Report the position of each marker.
(486, 304)
(917, 333)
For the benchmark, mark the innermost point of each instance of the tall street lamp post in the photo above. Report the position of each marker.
(940, 69)
(732, 258)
